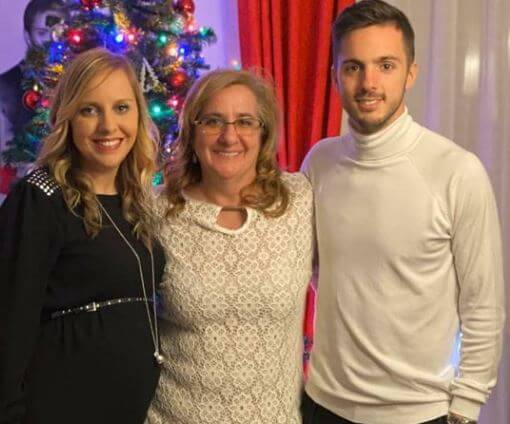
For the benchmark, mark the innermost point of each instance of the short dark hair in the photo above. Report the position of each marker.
(38, 6)
(372, 12)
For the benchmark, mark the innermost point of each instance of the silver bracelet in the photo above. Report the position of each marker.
(457, 419)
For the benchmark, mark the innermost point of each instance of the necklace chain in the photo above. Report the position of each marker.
(153, 327)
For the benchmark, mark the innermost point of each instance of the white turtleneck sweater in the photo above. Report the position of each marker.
(409, 254)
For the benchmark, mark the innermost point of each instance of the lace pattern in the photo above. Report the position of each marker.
(234, 304)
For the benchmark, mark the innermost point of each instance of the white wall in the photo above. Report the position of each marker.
(12, 43)
(221, 15)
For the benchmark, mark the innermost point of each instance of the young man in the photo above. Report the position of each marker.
(409, 248)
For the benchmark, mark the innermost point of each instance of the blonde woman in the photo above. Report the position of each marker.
(238, 239)
(78, 342)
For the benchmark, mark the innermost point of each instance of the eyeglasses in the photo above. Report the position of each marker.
(213, 125)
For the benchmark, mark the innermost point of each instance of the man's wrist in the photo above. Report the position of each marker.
(458, 419)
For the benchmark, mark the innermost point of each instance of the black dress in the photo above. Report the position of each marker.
(92, 367)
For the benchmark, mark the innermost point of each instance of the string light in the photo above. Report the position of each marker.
(172, 50)
(235, 64)
(156, 110)
(131, 37)
(162, 38)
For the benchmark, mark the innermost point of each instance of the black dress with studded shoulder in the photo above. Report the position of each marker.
(91, 367)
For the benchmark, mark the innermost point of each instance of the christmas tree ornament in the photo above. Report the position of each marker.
(187, 6)
(75, 37)
(56, 68)
(91, 4)
(121, 20)
(148, 79)
(30, 99)
(178, 78)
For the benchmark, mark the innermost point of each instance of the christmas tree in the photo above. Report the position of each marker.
(159, 36)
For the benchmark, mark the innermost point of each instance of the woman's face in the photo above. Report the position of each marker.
(105, 125)
(229, 155)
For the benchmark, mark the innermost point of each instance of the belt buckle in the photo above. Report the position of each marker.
(93, 307)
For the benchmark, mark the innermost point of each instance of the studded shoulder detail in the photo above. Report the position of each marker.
(43, 180)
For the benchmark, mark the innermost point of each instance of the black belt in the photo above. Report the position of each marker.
(94, 306)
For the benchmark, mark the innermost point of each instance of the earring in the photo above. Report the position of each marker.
(194, 159)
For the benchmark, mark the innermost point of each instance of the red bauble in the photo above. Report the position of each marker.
(30, 99)
(90, 4)
(75, 37)
(178, 78)
(187, 6)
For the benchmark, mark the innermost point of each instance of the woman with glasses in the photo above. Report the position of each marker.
(238, 239)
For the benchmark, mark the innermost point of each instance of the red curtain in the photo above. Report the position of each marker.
(291, 40)
(7, 177)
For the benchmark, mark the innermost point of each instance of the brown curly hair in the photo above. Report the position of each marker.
(267, 192)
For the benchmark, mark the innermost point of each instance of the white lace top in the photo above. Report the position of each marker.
(234, 301)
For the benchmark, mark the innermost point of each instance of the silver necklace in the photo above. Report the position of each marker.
(154, 328)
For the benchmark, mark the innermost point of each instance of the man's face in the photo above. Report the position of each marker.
(372, 74)
(42, 25)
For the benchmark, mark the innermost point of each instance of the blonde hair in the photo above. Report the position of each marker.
(267, 192)
(59, 154)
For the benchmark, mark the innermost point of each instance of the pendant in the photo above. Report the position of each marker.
(159, 358)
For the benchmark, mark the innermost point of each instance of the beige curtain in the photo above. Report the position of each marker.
(463, 92)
